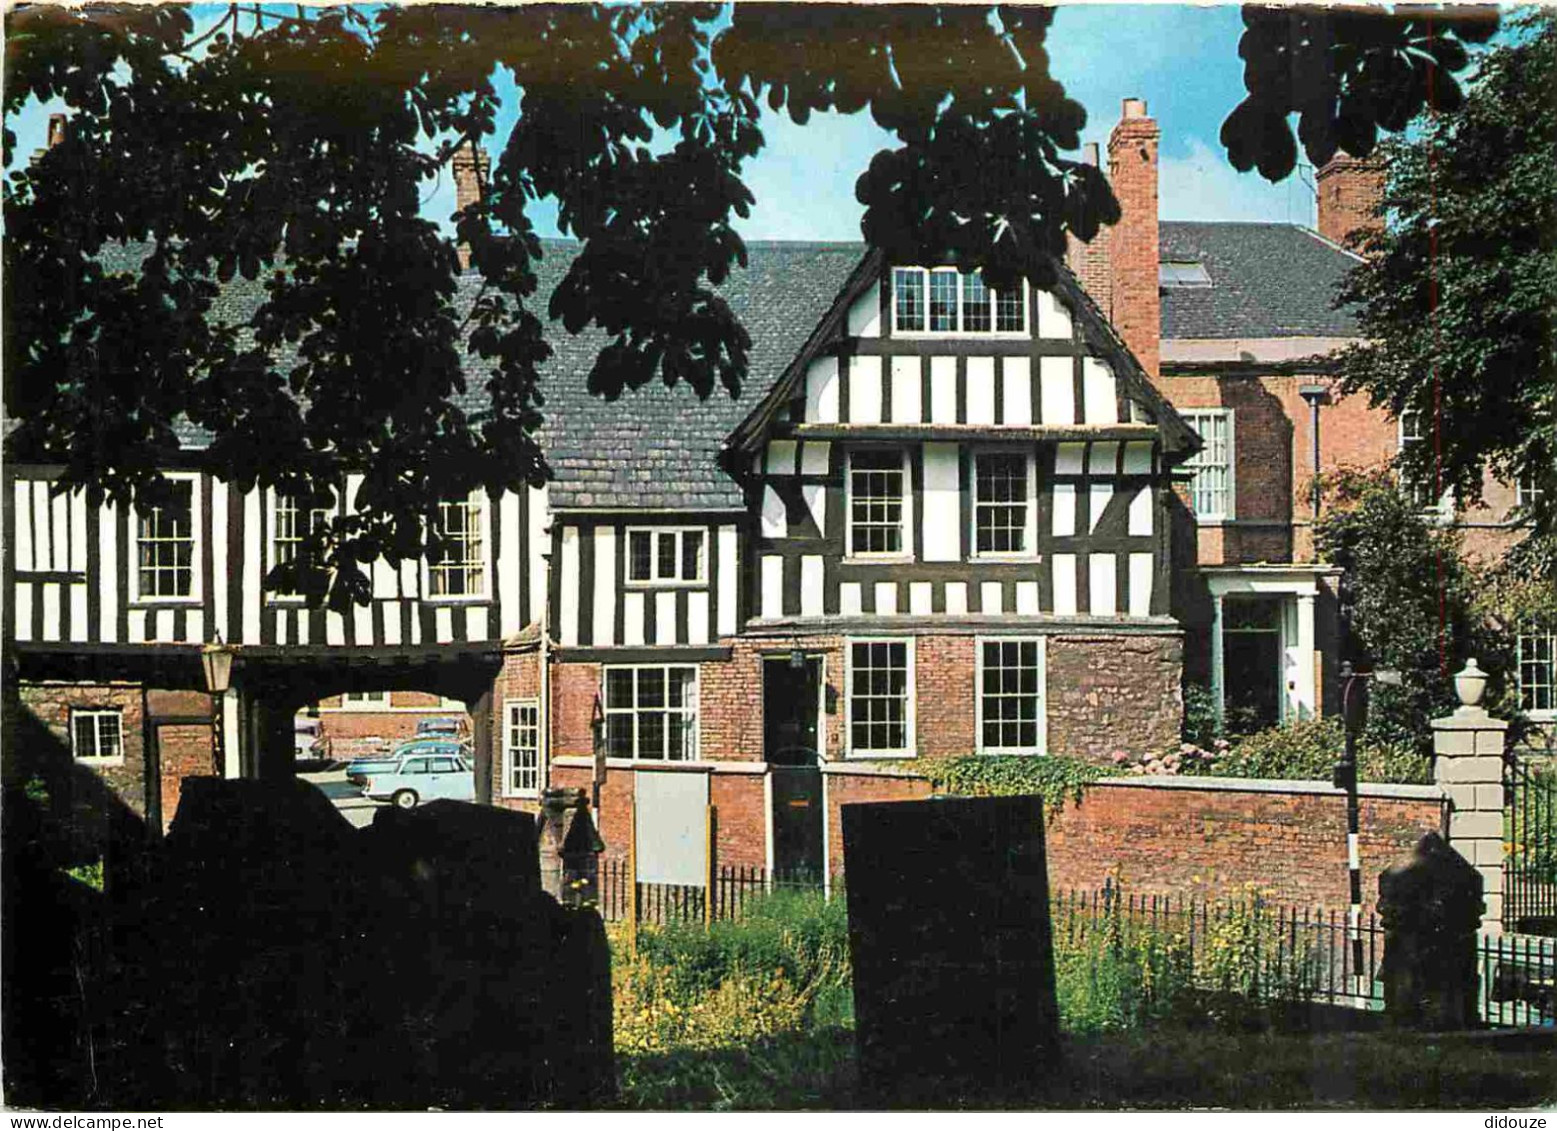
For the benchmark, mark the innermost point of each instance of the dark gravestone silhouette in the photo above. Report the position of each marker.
(274, 957)
(1431, 908)
(950, 941)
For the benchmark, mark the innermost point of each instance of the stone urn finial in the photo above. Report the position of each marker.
(1470, 684)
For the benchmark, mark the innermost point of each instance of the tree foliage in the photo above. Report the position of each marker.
(1408, 603)
(293, 150)
(1458, 299)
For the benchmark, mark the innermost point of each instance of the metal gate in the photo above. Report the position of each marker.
(1530, 845)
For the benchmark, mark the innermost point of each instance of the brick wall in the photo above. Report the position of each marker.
(1110, 693)
(350, 728)
(1217, 837)
(1214, 838)
(1273, 458)
(858, 788)
(739, 800)
(185, 750)
(50, 704)
(519, 678)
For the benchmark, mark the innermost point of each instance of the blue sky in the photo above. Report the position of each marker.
(1183, 60)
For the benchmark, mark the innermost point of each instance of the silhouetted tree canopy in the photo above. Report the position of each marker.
(293, 147)
(1459, 296)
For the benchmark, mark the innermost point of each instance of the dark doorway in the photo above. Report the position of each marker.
(791, 718)
(1251, 662)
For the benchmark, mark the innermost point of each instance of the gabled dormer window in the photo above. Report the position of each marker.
(944, 300)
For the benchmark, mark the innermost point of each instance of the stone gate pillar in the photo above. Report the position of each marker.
(1469, 766)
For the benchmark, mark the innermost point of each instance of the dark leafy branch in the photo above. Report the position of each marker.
(288, 152)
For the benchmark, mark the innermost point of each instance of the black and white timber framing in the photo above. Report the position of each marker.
(1066, 393)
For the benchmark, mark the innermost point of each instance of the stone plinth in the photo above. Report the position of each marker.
(1469, 766)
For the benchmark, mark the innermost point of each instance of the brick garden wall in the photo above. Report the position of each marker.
(1215, 837)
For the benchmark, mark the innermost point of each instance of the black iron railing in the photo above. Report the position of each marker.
(1530, 846)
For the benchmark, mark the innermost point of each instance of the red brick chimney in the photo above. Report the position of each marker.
(55, 135)
(1089, 261)
(1349, 191)
(1133, 245)
(471, 166)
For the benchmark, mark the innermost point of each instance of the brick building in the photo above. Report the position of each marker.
(1241, 333)
(938, 520)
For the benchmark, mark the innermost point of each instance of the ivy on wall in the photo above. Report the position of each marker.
(1055, 778)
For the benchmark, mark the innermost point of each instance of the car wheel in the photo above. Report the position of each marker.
(404, 799)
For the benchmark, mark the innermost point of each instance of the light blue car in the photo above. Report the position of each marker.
(421, 776)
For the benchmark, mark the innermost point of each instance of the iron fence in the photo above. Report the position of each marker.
(660, 904)
(1258, 950)
(1530, 843)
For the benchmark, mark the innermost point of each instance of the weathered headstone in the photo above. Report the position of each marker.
(950, 940)
(570, 848)
(1431, 907)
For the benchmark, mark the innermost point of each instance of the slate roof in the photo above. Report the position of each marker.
(1267, 281)
(652, 447)
(658, 448)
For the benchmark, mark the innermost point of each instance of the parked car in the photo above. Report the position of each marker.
(440, 728)
(422, 776)
(358, 770)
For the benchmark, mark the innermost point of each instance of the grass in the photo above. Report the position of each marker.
(758, 1015)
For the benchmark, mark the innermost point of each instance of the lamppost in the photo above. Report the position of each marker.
(216, 661)
(1354, 713)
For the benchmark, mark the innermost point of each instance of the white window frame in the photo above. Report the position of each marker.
(1229, 511)
(115, 713)
(1042, 746)
(696, 711)
(483, 509)
(197, 549)
(1030, 522)
(360, 701)
(906, 553)
(925, 273)
(1439, 511)
(655, 579)
(1526, 490)
(511, 747)
(910, 712)
(1542, 714)
(273, 505)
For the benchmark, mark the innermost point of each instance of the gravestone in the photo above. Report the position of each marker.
(950, 940)
(1431, 907)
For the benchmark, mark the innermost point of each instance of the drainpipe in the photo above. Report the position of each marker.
(1315, 395)
(544, 660)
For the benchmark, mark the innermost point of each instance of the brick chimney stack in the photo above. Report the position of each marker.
(1089, 261)
(471, 167)
(1349, 191)
(1133, 250)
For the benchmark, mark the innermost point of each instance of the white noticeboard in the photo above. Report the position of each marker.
(672, 814)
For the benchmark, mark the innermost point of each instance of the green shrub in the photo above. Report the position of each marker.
(1201, 727)
(1056, 778)
(1112, 973)
(782, 967)
(1307, 750)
